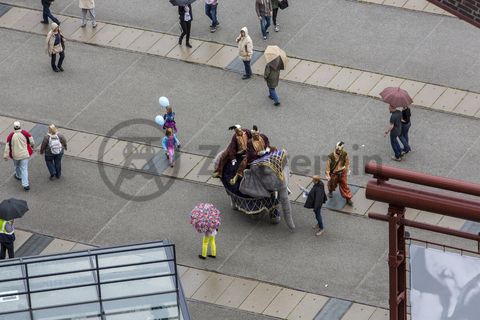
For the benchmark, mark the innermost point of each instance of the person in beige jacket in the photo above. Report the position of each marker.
(19, 147)
(55, 44)
(245, 51)
(88, 6)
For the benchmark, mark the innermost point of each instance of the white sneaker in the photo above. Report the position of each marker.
(320, 232)
(277, 28)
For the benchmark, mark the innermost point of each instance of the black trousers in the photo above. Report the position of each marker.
(4, 247)
(60, 60)
(275, 12)
(186, 25)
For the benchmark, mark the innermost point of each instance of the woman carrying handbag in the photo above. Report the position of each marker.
(56, 44)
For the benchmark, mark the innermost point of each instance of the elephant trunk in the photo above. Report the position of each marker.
(286, 207)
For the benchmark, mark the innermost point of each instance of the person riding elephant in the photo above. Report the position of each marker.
(266, 175)
(257, 146)
(236, 148)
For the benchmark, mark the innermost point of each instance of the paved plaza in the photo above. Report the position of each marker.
(343, 53)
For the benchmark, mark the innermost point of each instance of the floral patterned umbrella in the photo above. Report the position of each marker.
(205, 217)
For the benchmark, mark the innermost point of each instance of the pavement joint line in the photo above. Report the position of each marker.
(109, 85)
(439, 11)
(120, 210)
(475, 116)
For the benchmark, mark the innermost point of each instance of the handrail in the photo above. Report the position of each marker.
(382, 172)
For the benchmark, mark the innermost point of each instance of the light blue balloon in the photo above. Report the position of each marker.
(159, 120)
(164, 102)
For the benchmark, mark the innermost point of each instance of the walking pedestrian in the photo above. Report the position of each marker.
(186, 17)
(169, 144)
(395, 129)
(209, 238)
(53, 146)
(406, 114)
(88, 7)
(245, 51)
(7, 237)
(211, 12)
(272, 77)
(19, 147)
(275, 7)
(47, 13)
(264, 13)
(315, 199)
(56, 44)
(336, 170)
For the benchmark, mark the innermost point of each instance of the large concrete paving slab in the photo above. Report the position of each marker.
(205, 311)
(79, 197)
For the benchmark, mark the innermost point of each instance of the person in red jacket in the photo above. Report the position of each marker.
(19, 148)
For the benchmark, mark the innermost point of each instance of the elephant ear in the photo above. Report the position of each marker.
(252, 186)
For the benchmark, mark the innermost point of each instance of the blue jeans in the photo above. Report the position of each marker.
(404, 137)
(48, 14)
(318, 216)
(264, 24)
(54, 164)
(211, 12)
(273, 94)
(395, 146)
(21, 170)
(248, 68)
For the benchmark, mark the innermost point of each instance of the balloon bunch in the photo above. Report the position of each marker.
(163, 101)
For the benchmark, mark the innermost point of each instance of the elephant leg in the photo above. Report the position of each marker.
(286, 207)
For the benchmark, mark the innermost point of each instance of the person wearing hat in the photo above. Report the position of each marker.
(19, 147)
(56, 44)
(7, 237)
(336, 171)
(53, 146)
(257, 147)
(315, 199)
(237, 147)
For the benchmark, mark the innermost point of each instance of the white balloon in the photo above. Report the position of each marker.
(163, 102)
(160, 120)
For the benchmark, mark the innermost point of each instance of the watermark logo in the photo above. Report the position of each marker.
(138, 157)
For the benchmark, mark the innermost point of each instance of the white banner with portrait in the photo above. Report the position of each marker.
(444, 285)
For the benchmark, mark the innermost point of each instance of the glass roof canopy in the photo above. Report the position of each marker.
(129, 282)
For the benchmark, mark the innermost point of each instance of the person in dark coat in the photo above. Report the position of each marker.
(47, 13)
(272, 76)
(186, 17)
(315, 200)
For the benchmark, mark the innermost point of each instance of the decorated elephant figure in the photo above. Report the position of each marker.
(266, 175)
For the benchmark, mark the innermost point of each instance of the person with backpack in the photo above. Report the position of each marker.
(53, 146)
(19, 147)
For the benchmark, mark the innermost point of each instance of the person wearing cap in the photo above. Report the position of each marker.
(53, 146)
(237, 147)
(7, 237)
(257, 147)
(337, 169)
(47, 13)
(56, 44)
(315, 199)
(19, 147)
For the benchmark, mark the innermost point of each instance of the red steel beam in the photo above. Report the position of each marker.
(385, 172)
(429, 227)
(423, 200)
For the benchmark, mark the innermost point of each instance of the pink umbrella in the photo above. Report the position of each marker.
(396, 97)
(205, 217)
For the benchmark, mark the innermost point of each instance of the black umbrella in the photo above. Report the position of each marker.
(12, 208)
(181, 2)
